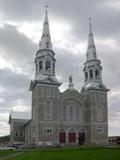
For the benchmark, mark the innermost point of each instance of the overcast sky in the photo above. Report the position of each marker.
(20, 31)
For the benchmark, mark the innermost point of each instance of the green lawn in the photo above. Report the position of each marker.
(5, 153)
(71, 154)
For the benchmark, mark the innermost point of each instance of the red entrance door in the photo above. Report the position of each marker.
(72, 137)
(62, 137)
(82, 136)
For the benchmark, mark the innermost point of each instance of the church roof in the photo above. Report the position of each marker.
(20, 115)
(71, 90)
(71, 93)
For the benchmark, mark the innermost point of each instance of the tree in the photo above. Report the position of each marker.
(4, 140)
(118, 140)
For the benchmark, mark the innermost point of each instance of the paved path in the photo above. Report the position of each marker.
(11, 155)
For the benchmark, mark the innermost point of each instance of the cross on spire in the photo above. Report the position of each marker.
(90, 26)
(90, 19)
(46, 6)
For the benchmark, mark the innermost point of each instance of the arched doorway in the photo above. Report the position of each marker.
(72, 136)
(62, 136)
(81, 137)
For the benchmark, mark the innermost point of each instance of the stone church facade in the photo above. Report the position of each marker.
(63, 117)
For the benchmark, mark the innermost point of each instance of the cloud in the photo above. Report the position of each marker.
(108, 51)
(112, 4)
(69, 63)
(16, 48)
(15, 90)
(20, 10)
(4, 126)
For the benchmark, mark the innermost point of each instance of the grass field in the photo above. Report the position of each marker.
(5, 153)
(70, 154)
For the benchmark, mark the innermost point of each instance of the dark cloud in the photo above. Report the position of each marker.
(29, 9)
(16, 87)
(76, 12)
(17, 48)
(111, 66)
(68, 63)
(20, 10)
(11, 79)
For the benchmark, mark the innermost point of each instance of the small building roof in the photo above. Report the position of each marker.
(20, 115)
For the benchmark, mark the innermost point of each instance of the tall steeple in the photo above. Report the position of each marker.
(45, 42)
(45, 57)
(92, 67)
(91, 50)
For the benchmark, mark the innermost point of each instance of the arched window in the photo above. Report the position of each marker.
(72, 110)
(86, 76)
(71, 113)
(17, 134)
(47, 107)
(47, 66)
(91, 74)
(47, 110)
(97, 74)
(40, 65)
(64, 113)
(100, 113)
(21, 133)
(77, 113)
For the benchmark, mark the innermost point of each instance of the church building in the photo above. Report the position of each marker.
(63, 117)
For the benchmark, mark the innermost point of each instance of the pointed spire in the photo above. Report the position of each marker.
(91, 50)
(70, 82)
(90, 27)
(45, 42)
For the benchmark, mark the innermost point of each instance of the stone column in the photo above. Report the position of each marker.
(67, 141)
